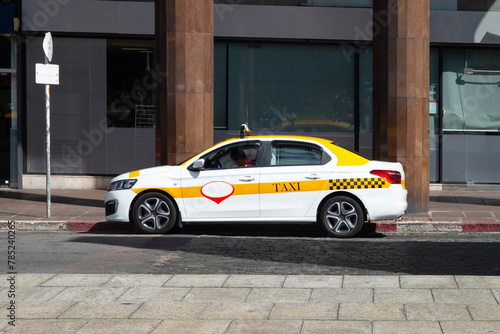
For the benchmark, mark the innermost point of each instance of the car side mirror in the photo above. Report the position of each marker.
(197, 165)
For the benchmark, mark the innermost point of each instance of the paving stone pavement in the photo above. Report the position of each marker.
(108, 303)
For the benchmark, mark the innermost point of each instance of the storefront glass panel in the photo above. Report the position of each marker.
(131, 84)
(8, 113)
(471, 119)
(366, 101)
(434, 115)
(292, 89)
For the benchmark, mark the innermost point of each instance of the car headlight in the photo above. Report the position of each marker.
(122, 184)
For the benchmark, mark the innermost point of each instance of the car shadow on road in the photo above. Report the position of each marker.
(309, 230)
(234, 254)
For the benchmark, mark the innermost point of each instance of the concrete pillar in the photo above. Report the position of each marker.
(401, 92)
(185, 57)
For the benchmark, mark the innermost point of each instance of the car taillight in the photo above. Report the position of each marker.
(391, 176)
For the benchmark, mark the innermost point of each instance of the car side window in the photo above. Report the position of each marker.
(233, 156)
(296, 154)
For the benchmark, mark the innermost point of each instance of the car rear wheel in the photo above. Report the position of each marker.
(341, 217)
(154, 213)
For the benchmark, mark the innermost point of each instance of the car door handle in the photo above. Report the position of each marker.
(247, 179)
(313, 177)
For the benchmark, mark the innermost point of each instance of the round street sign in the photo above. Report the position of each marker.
(48, 46)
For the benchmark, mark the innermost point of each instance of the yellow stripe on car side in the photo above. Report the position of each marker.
(239, 189)
(282, 187)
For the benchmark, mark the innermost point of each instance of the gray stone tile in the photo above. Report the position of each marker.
(402, 296)
(30, 280)
(228, 311)
(119, 326)
(265, 327)
(133, 281)
(371, 312)
(82, 280)
(353, 296)
(99, 311)
(198, 281)
(314, 311)
(470, 327)
(45, 326)
(416, 312)
(273, 295)
(193, 327)
(169, 310)
(414, 327)
(4, 298)
(478, 282)
(364, 282)
(484, 312)
(250, 281)
(427, 282)
(217, 294)
(42, 310)
(38, 293)
(496, 293)
(144, 294)
(313, 281)
(24, 280)
(89, 294)
(464, 296)
(336, 327)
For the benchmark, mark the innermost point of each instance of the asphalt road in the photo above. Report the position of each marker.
(255, 250)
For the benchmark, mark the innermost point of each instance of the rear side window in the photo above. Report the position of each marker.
(296, 154)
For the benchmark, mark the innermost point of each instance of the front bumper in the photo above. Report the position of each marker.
(118, 204)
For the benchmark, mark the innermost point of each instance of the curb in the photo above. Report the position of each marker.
(376, 227)
(431, 226)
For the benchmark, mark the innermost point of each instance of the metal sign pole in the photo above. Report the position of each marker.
(47, 141)
(47, 74)
(48, 49)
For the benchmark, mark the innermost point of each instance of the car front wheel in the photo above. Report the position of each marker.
(154, 213)
(341, 217)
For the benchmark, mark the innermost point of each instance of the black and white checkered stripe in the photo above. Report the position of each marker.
(357, 183)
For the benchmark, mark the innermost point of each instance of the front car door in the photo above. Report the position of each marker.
(227, 186)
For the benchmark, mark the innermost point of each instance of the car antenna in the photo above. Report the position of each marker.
(244, 130)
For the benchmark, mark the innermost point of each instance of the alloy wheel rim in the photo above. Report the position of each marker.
(341, 217)
(153, 214)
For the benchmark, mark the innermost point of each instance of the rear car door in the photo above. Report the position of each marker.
(292, 182)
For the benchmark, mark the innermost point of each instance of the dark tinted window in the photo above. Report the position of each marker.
(294, 154)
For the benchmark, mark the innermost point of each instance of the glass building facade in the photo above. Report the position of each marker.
(284, 67)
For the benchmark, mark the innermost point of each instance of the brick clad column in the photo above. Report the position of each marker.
(401, 92)
(185, 58)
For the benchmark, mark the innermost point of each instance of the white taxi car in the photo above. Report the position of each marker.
(262, 179)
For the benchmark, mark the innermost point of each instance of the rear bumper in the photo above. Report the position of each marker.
(390, 204)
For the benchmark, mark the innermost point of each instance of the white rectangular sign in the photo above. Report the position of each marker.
(47, 74)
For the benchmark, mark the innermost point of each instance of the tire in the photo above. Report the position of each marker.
(341, 217)
(154, 213)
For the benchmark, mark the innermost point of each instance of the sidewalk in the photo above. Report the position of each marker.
(83, 210)
(301, 304)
